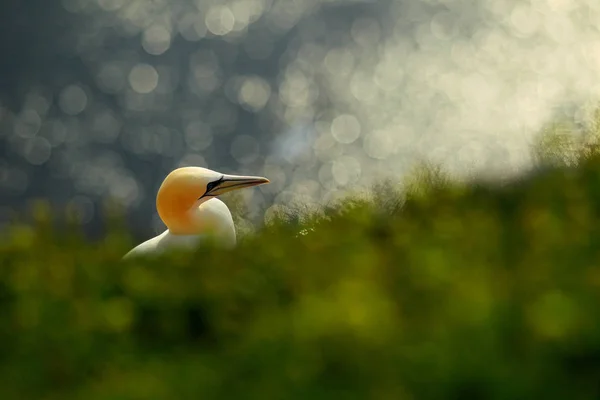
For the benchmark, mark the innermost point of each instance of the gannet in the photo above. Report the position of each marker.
(186, 203)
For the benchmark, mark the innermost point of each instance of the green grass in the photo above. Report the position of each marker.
(440, 290)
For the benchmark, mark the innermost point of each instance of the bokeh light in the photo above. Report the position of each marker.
(143, 78)
(320, 96)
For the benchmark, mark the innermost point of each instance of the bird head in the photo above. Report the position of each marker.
(187, 188)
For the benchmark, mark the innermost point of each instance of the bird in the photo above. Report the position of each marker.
(187, 204)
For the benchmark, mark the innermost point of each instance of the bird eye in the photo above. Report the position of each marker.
(212, 185)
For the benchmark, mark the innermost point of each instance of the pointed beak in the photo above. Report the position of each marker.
(233, 182)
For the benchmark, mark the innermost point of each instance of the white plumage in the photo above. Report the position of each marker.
(187, 205)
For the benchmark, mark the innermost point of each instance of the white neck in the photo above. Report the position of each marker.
(210, 217)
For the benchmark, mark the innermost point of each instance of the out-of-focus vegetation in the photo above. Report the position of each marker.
(450, 291)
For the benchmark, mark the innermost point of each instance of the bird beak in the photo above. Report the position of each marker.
(228, 183)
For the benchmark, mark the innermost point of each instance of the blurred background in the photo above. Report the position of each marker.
(102, 98)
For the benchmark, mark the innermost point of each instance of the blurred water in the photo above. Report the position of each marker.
(102, 98)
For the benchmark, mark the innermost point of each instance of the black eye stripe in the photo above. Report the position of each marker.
(212, 185)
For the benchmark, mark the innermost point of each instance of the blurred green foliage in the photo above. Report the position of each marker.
(436, 290)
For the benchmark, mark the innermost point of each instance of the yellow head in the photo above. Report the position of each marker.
(185, 189)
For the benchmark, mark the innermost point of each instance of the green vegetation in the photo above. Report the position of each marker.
(468, 291)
